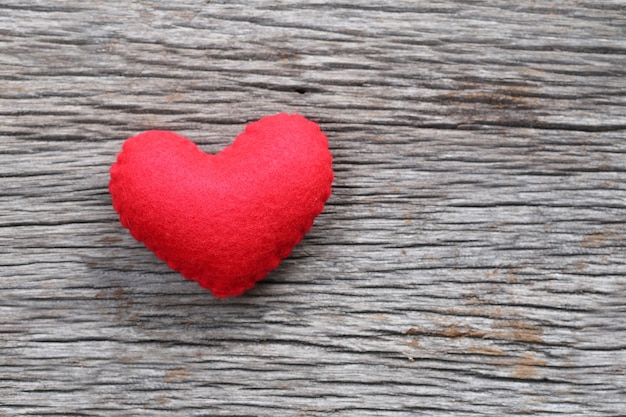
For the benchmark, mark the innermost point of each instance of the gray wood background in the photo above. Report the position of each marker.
(471, 261)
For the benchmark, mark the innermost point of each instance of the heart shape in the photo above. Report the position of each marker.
(224, 220)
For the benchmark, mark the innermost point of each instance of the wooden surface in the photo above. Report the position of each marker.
(471, 261)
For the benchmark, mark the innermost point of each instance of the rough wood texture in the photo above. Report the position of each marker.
(470, 262)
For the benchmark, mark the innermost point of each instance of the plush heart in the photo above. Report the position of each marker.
(224, 220)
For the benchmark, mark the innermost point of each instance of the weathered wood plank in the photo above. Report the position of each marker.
(471, 260)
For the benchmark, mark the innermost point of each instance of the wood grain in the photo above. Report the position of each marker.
(471, 260)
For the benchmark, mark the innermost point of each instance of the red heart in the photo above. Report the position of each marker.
(224, 220)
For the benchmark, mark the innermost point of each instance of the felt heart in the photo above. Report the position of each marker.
(224, 220)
